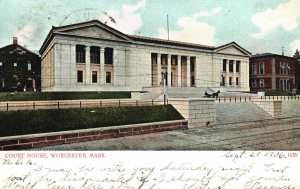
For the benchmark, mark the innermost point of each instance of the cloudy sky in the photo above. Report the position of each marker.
(257, 25)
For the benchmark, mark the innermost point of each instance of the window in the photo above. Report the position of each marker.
(192, 81)
(253, 69)
(237, 81)
(261, 68)
(237, 66)
(79, 76)
(1, 64)
(261, 83)
(231, 66)
(224, 65)
(193, 60)
(230, 80)
(173, 60)
(108, 55)
(223, 81)
(164, 58)
(254, 83)
(80, 54)
(192, 67)
(154, 58)
(108, 77)
(15, 64)
(29, 66)
(284, 68)
(94, 77)
(95, 55)
(2, 83)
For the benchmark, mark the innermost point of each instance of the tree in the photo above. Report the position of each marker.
(297, 69)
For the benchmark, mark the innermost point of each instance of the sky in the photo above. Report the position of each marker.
(259, 26)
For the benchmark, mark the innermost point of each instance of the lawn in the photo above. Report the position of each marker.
(41, 121)
(31, 96)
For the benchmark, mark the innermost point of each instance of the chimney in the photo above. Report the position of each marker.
(15, 40)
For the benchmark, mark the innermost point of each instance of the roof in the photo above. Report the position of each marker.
(130, 38)
(170, 42)
(268, 55)
(17, 45)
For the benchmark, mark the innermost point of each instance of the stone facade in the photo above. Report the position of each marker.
(198, 112)
(136, 62)
(272, 107)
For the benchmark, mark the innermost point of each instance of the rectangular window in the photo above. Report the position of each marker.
(224, 65)
(95, 55)
(173, 60)
(237, 66)
(29, 66)
(192, 66)
(193, 61)
(15, 64)
(80, 54)
(108, 77)
(253, 69)
(223, 81)
(193, 81)
(230, 80)
(94, 77)
(164, 58)
(108, 55)
(237, 81)
(231, 66)
(79, 76)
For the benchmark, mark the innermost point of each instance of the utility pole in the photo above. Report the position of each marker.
(168, 27)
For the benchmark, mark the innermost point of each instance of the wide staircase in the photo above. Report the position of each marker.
(189, 92)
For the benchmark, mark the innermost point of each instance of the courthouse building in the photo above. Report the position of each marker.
(92, 56)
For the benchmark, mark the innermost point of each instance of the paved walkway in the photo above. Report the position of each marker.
(280, 134)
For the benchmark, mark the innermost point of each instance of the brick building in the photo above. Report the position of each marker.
(20, 68)
(271, 72)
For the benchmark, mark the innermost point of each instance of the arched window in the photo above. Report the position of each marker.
(284, 68)
(261, 83)
(253, 69)
(254, 83)
(261, 68)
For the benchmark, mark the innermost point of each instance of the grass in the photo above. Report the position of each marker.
(277, 93)
(42, 121)
(31, 96)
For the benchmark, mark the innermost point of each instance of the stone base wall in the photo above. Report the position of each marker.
(57, 138)
(199, 111)
(272, 107)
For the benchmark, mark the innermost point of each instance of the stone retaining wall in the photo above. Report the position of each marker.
(66, 137)
(198, 111)
(272, 107)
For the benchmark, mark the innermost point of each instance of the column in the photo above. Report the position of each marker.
(102, 70)
(227, 73)
(234, 72)
(87, 66)
(57, 65)
(188, 71)
(158, 69)
(169, 70)
(73, 69)
(179, 70)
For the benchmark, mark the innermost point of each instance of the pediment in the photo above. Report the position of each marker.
(232, 49)
(93, 29)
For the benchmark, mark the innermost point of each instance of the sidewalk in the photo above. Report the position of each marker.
(275, 134)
